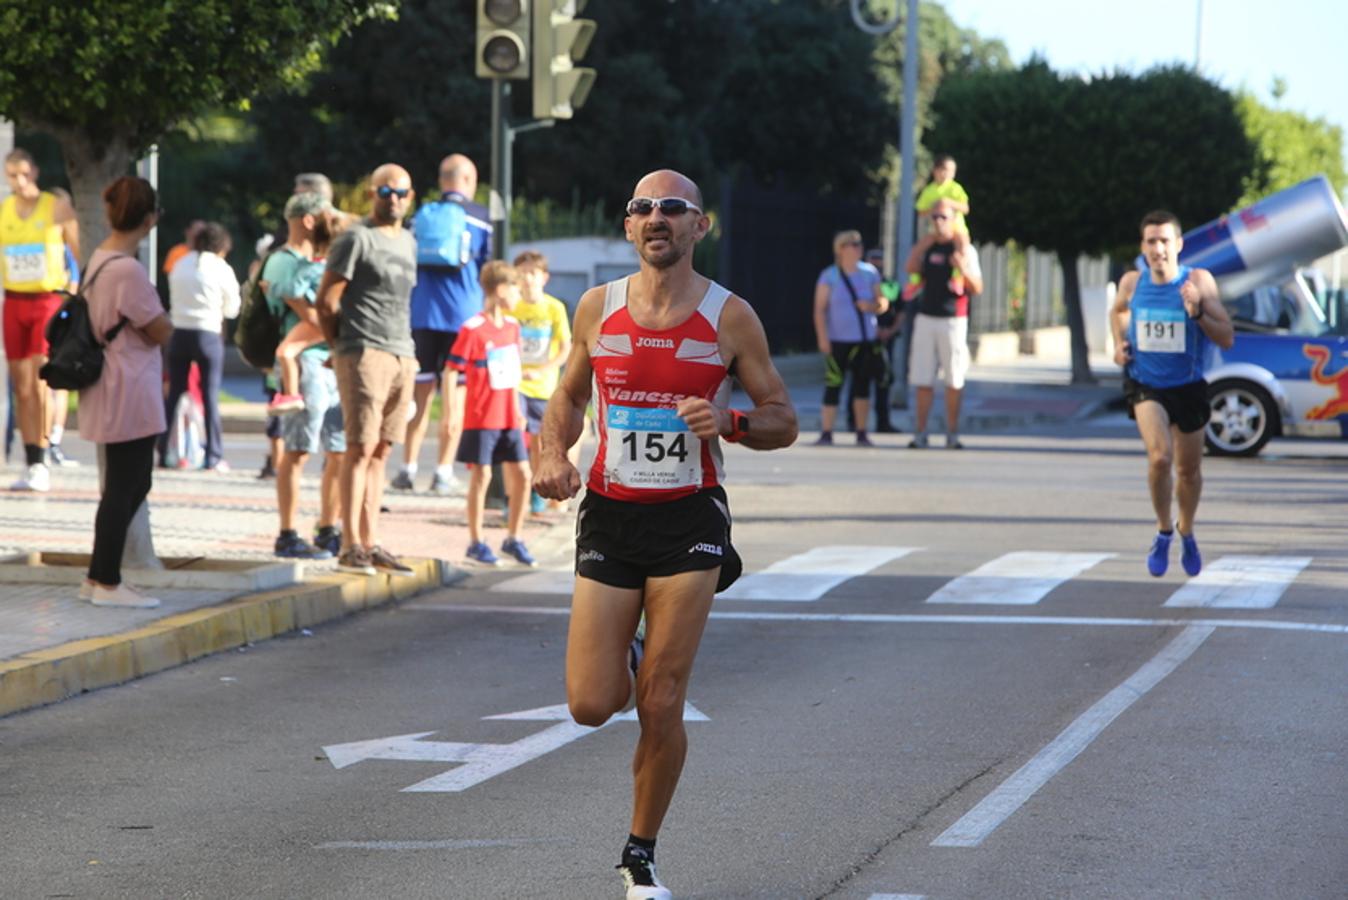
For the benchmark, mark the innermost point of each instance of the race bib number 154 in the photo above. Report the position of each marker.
(651, 448)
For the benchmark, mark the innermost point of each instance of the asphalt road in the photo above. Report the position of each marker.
(907, 732)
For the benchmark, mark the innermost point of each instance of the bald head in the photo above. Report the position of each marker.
(390, 174)
(458, 173)
(391, 190)
(668, 183)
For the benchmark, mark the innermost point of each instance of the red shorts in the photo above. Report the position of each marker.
(26, 318)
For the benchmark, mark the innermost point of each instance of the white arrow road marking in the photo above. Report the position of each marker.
(548, 581)
(482, 761)
(1022, 578)
(805, 577)
(1241, 582)
(994, 809)
(463, 844)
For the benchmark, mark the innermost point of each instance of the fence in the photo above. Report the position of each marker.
(1012, 301)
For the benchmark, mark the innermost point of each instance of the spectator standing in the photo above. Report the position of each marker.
(186, 246)
(363, 308)
(292, 275)
(488, 351)
(60, 400)
(940, 341)
(545, 341)
(447, 294)
(36, 227)
(847, 298)
(890, 328)
(123, 412)
(203, 292)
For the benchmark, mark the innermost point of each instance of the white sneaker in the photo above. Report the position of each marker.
(123, 596)
(642, 884)
(37, 478)
(86, 589)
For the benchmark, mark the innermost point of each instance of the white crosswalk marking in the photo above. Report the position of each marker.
(808, 576)
(1021, 578)
(1241, 582)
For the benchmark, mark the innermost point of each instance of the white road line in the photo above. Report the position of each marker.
(1241, 582)
(994, 809)
(807, 576)
(915, 619)
(548, 581)
(897, 897)
(1021, 578)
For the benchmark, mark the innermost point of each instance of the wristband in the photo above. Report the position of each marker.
(1200, 313)
(739, 426)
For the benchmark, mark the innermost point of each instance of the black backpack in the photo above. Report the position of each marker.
(75, 360)
(257, 333)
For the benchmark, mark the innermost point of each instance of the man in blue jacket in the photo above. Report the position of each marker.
(446, 295)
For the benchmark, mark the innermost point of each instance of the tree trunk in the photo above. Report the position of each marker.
(1076, 322)
(91, 167)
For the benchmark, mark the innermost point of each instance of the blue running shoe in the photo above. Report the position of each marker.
(537, 504)
(1158, 560)
(1189, 555)
(515, 548)
(479, 552)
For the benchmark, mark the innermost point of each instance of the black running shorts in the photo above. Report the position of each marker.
(1186, 405)
(622, 544)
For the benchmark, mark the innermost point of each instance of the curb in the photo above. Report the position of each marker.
(47, 676)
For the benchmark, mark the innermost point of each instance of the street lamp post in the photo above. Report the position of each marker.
(907, 120)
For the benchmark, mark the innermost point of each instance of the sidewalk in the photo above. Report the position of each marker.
(53, 645)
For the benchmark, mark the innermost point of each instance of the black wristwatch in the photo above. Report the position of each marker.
(1200, 313)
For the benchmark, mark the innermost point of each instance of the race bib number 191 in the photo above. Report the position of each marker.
(1161, 330)
(651, 449)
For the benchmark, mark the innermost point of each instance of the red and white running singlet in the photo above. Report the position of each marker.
(646, 453)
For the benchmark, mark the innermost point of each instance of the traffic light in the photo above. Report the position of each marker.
(503, 39)
(560, 40)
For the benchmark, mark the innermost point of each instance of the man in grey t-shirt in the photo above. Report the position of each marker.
(363, 307)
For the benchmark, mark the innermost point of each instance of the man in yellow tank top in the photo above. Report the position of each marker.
(35, 227)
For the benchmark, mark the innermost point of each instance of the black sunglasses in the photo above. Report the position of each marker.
(384, 192)
(670, 206)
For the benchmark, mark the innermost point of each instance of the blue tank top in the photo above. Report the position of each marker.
(1169, 348)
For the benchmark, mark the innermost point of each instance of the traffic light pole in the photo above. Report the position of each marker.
(500, 168)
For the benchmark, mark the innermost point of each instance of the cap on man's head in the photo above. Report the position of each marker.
(306, 204)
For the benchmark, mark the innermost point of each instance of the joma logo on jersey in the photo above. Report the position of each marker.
(713, 549)
(622, 395)
(658, 343)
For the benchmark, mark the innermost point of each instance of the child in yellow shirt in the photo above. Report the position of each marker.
(943, 186)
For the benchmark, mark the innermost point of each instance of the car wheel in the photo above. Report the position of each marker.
(1243, 418)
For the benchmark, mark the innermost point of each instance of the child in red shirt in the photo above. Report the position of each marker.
(488, 350)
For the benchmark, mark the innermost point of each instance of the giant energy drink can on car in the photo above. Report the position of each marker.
(1266, 241)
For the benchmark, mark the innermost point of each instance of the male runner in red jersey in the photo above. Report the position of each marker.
(653, 532)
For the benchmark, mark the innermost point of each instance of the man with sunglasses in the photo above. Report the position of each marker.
(653, 532)
(940, 336)
(363, 308)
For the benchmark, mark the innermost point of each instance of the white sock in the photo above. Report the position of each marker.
(445, 472)
(410, 469)
(57, 432)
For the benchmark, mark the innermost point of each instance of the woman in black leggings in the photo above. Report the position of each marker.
(123, 412)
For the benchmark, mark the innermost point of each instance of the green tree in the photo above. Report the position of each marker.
(1069, 164)
(1289, 148)
(779, 91)
(108, 78)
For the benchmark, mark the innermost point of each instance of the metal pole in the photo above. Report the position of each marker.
(500, 168)
(149, 248)
(1198, 38)
(907, 138)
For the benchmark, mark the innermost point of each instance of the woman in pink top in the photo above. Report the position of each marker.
(124, 409)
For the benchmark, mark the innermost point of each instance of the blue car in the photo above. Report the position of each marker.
(1287, 373)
